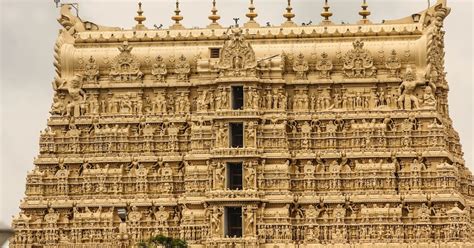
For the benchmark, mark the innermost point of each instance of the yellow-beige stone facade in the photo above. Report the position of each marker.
(318, 135)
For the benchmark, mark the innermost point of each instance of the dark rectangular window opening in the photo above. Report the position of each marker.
(215, 53)
(233, 222)
(236, 135)
(234, 176)
(237, 97)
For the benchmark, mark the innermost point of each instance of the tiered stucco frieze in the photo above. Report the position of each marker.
(346, 138)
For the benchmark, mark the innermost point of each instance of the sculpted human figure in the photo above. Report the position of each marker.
(429, 100)
(255, 99)
(324, 66)
(51, 217)
(180, 103)
(321, 165)
(159, 107)
(408, 99)
(93, 104)
(312, 102)
(202, 101)
(301, 67)
(85, 166)
(224, 99)
(211, 100)
(393, 64)
(221, 136)
(134, 164)
(269, 99)
(159, 69)
(337, 101)
(77, 97)
(91, 71)
(359, 102)
(334, 167)
(282, 101)
(126, 104)
(250, 173)
(380, 100)
(309, 168)
(220, 176)
(162, 215)
(251, 134)
(249, 221)
(216, 221)
(166, 171)
(182, 69)
(58, 107)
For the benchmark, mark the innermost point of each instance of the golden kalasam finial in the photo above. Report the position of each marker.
(251, 15)
(214, 17)
(289, 15)
(364, 13)
(177, 18)
(326, 13)
(140, 18)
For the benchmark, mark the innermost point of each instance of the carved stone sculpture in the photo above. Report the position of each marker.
(75, 107)
(342, 138)
(237, 57)
(393, 64)
(91, 71)
(358, 62)
(125, 67)
(408, 100)
(324, 66)
(182, 69)
(301, 67)
(159, 69)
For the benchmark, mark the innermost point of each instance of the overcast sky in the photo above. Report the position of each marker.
(29, 30)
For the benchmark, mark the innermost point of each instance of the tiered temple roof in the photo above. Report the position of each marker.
(321, 135)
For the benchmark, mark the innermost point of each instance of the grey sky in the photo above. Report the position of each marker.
(29, 30)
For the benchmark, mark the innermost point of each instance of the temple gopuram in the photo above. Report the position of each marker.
(315, 135)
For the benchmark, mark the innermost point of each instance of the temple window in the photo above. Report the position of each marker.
(237, 97)
(233, 222)
(234, 176)
(236, 135)
(215, 52)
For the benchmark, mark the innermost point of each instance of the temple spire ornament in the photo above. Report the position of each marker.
(140, 18)
(177, 18)
(214, 17)
(251, 15)
(289, 15)
(364, 13)
(326, 14)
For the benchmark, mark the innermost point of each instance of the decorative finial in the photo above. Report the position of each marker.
(326, 13)
(364, 13)
(251, 15)
(177, 18)
(214, 17)
(140, 18)
(289, 15)
(236, 20)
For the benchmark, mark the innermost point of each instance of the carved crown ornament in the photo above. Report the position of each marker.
(125, 67)
(358, 62)
(237, 57)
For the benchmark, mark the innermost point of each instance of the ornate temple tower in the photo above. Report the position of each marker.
(291, 136)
